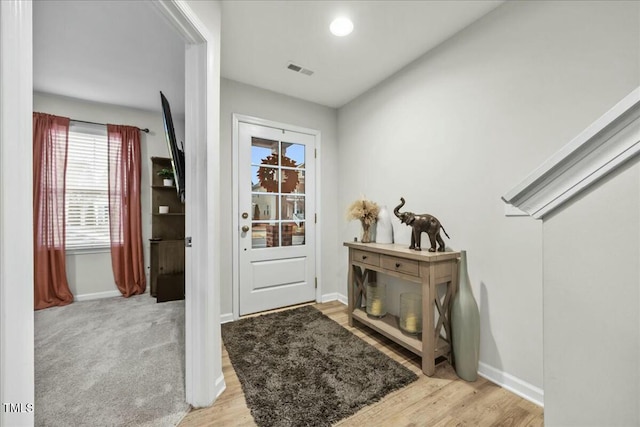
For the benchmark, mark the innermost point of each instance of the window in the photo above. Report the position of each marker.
(87, 196)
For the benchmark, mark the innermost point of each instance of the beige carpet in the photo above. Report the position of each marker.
(110, 362)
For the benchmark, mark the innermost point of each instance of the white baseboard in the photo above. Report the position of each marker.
(226, 318)
(220, 386)
(334, 296)
(97, 295)
(329, 297)
(513, 384)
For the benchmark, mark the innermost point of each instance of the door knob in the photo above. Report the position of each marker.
(245, 228)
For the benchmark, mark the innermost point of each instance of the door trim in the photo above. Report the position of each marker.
(235, 223)
(204, 381)
(16, 211)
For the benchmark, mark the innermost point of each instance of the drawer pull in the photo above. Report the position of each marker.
(364, 257)
(397, 265)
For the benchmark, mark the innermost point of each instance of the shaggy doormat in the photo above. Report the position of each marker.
(300, 368)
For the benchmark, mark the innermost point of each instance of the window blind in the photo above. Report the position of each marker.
(87, 197)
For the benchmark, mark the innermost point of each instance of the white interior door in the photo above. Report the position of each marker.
(277, 217)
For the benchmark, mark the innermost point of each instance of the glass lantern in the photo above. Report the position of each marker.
(376, 295)
(411, 313)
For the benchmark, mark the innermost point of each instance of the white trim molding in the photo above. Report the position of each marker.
(226, 318)
(601, 148)
(343, 299)
(97, 295)
(16, 218)
(329, 297)
(203, 357)
(513, 384)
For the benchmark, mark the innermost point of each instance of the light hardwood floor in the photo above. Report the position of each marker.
(441, 400)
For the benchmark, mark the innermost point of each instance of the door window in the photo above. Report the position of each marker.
(277, 193)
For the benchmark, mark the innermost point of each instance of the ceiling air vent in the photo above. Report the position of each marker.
(299, 69)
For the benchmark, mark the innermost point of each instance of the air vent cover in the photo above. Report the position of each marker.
(299, 69)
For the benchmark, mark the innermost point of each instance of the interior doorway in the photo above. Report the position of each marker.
(204, 380)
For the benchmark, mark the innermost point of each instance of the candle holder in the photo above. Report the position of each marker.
(411, 313)
(376, 295)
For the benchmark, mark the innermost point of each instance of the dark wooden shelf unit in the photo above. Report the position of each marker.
(166, 254)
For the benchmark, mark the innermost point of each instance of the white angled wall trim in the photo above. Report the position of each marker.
(97, 295)
(600, 149)
(513, 384)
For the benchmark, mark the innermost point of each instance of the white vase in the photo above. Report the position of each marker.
(384, 228)
(167, 182)
(163, 209)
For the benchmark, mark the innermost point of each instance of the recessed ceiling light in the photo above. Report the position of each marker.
(341, 27)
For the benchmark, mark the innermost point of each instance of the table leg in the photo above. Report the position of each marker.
(351, 291)
(428, 336)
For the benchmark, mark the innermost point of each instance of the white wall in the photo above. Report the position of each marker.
(252, 101)
(457, 128)
(592, 306)
(91, 273)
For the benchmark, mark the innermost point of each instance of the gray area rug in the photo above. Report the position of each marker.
(300, 368)
(110, 362)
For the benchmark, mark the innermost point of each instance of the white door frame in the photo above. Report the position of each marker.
(16, 211)
(203, 355)
(204, 380)
(237, 119)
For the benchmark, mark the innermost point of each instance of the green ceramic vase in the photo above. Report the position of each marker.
(465, 326)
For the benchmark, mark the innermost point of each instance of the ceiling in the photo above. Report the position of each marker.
(259, 38)
(123, 53)
(114, 52)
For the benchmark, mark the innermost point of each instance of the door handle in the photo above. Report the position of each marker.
(245, 228)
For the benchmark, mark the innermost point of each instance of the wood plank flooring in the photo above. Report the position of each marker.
(441, 400)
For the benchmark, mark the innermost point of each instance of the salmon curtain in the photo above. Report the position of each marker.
(50, 146)
(124, 209)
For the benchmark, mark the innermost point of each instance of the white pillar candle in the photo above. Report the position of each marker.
(376, 307)
(411, 323)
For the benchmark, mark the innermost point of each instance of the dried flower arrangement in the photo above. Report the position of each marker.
(367, 212)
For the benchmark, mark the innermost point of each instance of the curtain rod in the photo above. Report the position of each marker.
(145, 130)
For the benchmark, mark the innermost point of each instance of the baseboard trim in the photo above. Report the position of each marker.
(329, 297)
(343, 299)
(97, 295)
(334, 296)
(219, 386)
(226, 318)
(513, 384)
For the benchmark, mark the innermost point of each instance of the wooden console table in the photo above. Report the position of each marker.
(428, 269)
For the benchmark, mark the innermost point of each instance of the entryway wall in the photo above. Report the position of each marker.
(592, 305)
(460, 126)
(89, 273)
(240, 98)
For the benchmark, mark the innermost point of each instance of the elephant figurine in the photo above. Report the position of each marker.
(422, 222)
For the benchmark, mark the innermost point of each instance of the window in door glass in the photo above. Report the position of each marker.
(265, 207)
(295, 153)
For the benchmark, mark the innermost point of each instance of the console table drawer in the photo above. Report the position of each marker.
(366, 257)
(401, 265)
